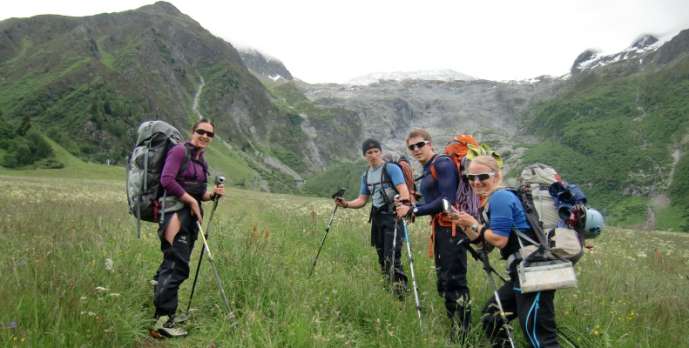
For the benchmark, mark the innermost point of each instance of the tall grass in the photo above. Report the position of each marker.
(57, 235)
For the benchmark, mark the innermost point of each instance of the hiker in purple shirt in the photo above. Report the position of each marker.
(184, 178)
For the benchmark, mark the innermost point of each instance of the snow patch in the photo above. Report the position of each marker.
(428, 75)
(638, 49)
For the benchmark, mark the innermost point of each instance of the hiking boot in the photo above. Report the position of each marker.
(178, 319)
(400, 290)
(165, 327)
(458, 334)
(460, 325)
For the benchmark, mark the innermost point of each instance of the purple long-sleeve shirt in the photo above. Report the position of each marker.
(172, 180)
(434, 191)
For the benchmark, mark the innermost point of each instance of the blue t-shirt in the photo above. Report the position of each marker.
(394, 174)
(505, 212)
(433, 190)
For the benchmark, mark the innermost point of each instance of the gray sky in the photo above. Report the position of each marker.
(335, 41)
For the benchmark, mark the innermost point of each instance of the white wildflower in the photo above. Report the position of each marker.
(109, 265)
(101, 289)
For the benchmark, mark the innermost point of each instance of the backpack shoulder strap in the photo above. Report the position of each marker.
(385, 176)
(187, 158)
(434, 172)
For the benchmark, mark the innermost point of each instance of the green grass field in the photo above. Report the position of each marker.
(57, 234)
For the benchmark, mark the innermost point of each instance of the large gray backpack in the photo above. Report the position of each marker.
(144, 167)
(543, 211)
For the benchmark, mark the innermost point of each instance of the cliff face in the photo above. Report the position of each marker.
(388, 110)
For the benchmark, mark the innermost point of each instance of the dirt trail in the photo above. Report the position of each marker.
(676, 155)
(267, 160)
(662, 200)
(197, 96)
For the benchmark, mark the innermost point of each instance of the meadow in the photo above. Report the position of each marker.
(74, 274)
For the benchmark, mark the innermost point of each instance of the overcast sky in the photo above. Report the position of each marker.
(335, 41)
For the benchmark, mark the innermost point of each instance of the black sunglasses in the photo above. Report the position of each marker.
(418, 145)
(204, 132)
(480, 177)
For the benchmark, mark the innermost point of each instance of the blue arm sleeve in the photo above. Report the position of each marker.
(503, 206)
(395, 174)
(447, 187)
(363, 188)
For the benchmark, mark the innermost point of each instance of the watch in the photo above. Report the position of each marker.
(474, 227)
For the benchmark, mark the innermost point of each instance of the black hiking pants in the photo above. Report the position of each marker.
(175, 266)
(382, 232)
(536, 313)
(451, 270)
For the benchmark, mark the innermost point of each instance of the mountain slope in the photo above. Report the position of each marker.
(264, 66)
(621, 130)
(88, 82)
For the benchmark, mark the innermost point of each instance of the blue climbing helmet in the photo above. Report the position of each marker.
(594, 223)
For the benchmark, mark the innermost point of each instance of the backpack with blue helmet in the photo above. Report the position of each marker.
(594, 224)
(557, 211)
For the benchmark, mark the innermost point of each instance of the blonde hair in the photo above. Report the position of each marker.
(417, 132)
(491, 163)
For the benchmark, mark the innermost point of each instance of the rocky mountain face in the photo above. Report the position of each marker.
(388, 110)
(429, 75)
(264, 66)
(640, 48)
(617, 124)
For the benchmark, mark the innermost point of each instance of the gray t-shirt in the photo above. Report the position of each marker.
(373, 183)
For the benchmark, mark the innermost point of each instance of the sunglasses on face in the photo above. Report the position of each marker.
(418, 145)
(204, 132)
(480, 177)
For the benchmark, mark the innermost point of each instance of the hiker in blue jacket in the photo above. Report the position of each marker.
(447, 244)
(382, 181)
(503, 211)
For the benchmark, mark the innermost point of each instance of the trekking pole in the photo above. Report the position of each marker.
(392, 261)
(337, 194)
(483, 257)
(218, 181)
(413, 275)
(215, 270)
